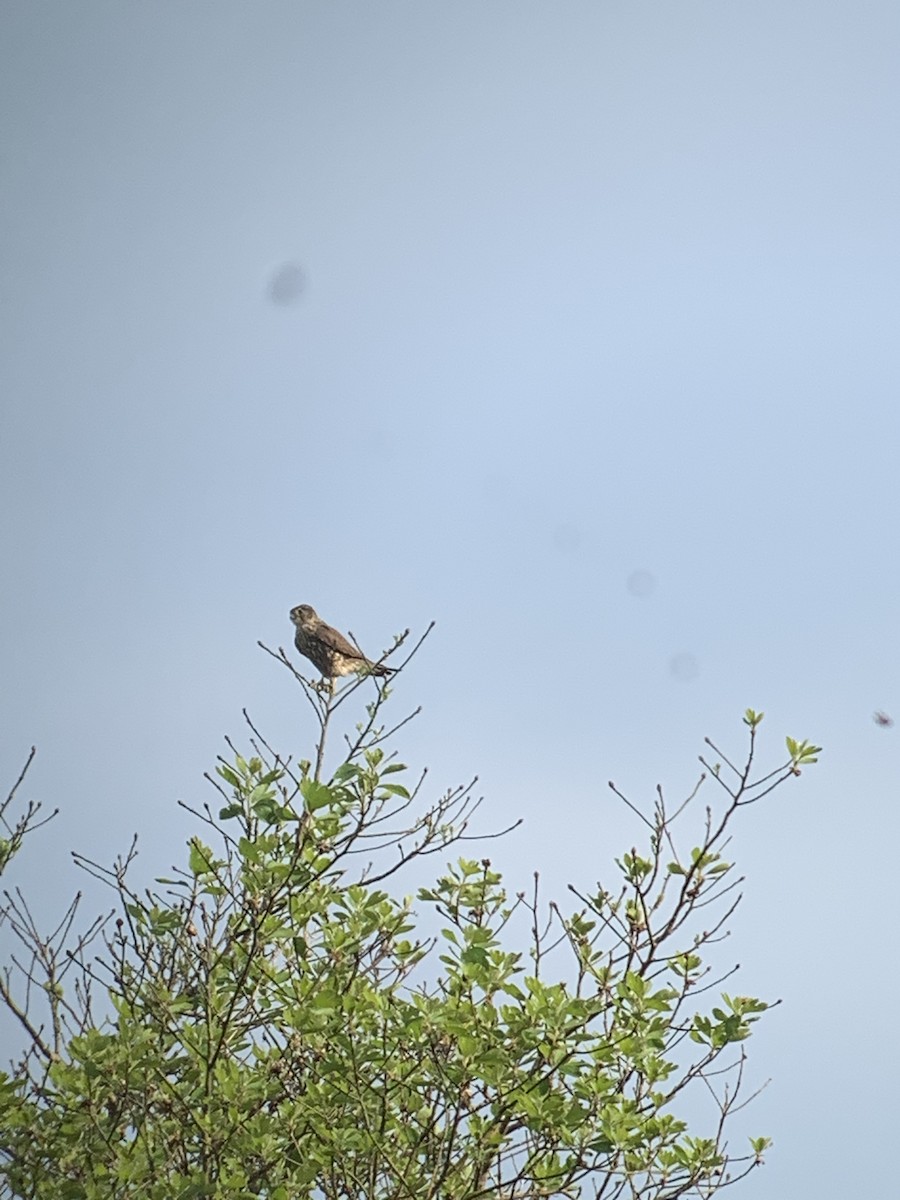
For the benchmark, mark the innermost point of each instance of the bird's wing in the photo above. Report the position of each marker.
(336, 641)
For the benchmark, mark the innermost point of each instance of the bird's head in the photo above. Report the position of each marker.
(302, 613)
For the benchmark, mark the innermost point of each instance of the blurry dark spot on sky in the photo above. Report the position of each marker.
(684, 667)
(287, 284)
(641, 583)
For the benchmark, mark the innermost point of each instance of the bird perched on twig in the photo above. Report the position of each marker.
(329, 651)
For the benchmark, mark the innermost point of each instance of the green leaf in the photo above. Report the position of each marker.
(347, 770)
(200, 857)
(228, 775)
(317, 795)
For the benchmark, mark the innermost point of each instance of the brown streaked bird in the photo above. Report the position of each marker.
(329, 651)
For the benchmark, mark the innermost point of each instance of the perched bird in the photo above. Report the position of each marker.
(329, 651)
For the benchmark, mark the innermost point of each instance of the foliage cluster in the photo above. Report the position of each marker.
(273, 1025)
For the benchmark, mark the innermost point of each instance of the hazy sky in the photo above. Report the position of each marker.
(470, 312)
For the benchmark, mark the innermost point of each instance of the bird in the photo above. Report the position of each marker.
(329, 651)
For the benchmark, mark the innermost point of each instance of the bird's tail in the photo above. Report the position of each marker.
(381, 669)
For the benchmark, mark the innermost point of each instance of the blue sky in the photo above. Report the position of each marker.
(588, 289)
